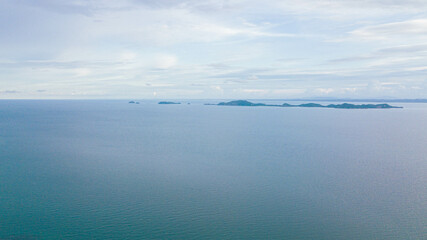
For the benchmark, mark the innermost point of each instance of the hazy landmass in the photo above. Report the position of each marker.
(311, 105)
(381, 100)
(169, 103)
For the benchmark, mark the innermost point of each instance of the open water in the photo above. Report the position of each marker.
(113, 170)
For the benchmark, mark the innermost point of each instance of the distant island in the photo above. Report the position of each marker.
(133, 102)
(311, 105)
(169, 103)
(382, 100)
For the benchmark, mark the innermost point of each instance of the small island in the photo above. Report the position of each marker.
(133, 102)
(169, 103)
(307, 105)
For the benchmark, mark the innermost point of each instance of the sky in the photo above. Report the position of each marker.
(213, 49)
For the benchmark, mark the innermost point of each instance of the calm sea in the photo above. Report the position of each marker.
(113, 170)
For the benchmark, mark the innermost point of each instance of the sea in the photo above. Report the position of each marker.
(107, 169)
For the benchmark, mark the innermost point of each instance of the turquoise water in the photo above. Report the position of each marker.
(113, 170)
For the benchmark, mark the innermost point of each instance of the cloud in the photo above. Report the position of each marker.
(325, 90)
(412, 28)
(271, 93)
(396, 51)
(164, 61)
(71, 29)
(418, 48)
(257, 91)
(9, 92)
(217, 88)
(252, 77)
(350, 9)
(393, 59)
(64, 7)
(289, 91)
(422, 68)
(212, 48)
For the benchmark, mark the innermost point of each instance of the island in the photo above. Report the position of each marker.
(169, 103)
(241, 103)
(133, 102)
(306, 105)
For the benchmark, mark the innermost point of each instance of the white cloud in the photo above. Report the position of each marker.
(325, 90)
(406, 29)
(211, 47)
(273, 92)
(164, 61)
(257, 91)
(289, 91)
(82, 72)
(217, 88)
(253, 77)
(421, 68)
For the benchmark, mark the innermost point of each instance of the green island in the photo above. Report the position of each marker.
(310, 105)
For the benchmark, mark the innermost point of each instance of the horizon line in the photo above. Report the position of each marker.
(403, 100)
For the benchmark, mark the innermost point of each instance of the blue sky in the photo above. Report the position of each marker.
(213, 49)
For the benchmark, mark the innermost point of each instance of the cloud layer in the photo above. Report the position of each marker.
(213, 49)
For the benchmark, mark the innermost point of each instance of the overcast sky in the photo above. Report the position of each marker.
(213, 49)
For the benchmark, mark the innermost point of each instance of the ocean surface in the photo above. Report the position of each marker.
(113, 170)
